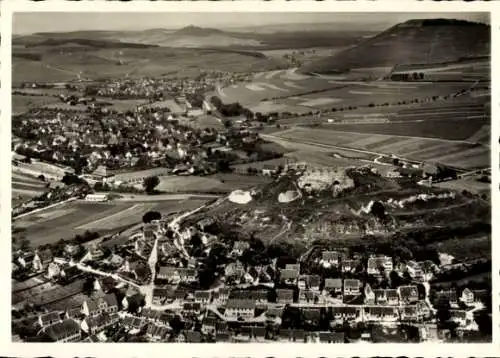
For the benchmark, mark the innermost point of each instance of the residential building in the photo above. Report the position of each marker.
(161, 295)
(408, 294)
(459, 317)
(349, 265)
(239, 247)
(467, 296)
(369, 295)
(187, 274)
(284, 296)
(202, 297)
(409, 313)
(169, 274)
(289, 276)
(96, 324)
(64, 331)
(392, 297)
(330, 258)
(101, 304)
(333, 285)
(191, 308)
(378, 264)
(240, 308)
(378, 313)
(48, 319)
(313, 282)
(25, 260)
(53, 270)
(351, 287)
(308, 296)
(414, 270)
(220, 296)
(42, 259)
(331, 337)
(341, 313)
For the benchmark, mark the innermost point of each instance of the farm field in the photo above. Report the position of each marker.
(471, 184)
(67, 220)
(174, 184)
(25, 187)
(453, 153)
(21, 104)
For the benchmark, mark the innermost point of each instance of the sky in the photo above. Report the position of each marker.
(31, 22)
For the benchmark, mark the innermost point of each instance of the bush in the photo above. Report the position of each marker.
(150, 216)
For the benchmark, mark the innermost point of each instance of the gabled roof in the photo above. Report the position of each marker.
(333, 283)
(202, 294)
(101, 320)
(289, 274)
(351, 283)
(330, 255)
(192, 336)
(408, 291)
(284, 294)
(45, 255)
(109, 299)
(49, 317)
(313, 280)
(241, 304)
(331, 337)
(63, 329)
(292, 267)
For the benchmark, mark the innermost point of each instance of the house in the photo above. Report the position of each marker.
(331, 337)
(423, 310)
(369, 295)
(53, 270)
(450, 296)
(414, 270)
(234, 270)
(134, 302)
(220, 296)
(378, 264)
(157, 332)
(95, 253)
(459, 317)
(349, 265)
(378, 313)
(467, 296)
(302, 282)
(202, 297)
(409, 313)
(307, 296)
(26, 259)
(116, 260)
(187, 274)
(312, 315)
(342, 313)
(260, 296)
(408, 294)
(161, 295)
(289, 276)
(64, 331)
(70, 273)
(169, 274)
(313, 282)
(333, 285)
(392, 297)
(191, 308)
(42, 259)
(96, 324)
(351, 287)
(101, 304)
(71, 249)
(330, 258)
(240, 308)
(105, 284)
(48, 319)
(73, 312)
(239, 247)
(284, 296)
(143, 248)
(269, 170)
(295, 267)
(380, 296)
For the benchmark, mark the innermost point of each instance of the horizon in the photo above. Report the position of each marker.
(60, 22)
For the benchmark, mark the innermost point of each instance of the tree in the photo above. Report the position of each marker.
(150, 216)
(150, 183)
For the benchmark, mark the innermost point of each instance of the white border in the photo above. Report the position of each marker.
(248, 350)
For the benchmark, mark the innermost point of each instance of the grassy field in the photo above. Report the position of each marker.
(25, 187)
(21, 104)
(457, 154)
(174, 184)
(67, 220)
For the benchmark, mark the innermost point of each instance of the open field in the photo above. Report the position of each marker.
(174, 184)
(25, 187)
(97, 63)
(453, 153)
(21, 104)
(68, 220)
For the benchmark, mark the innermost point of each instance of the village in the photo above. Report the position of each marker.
(152, 289)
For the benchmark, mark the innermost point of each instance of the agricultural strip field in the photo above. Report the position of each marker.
(21, 104)
(467, 156)
(25, 187)
(70, 219)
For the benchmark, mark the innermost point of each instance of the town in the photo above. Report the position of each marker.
(204, 185)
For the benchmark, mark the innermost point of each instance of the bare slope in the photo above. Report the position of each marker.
(414, 41)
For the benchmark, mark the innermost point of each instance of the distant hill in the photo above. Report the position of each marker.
(414, 41)
(198, 31)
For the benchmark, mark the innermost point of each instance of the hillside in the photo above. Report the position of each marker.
(349, 204)
(414, 41)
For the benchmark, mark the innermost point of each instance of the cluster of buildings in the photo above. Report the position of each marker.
(144, 289)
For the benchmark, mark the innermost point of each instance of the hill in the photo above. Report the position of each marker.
(414, 41)
(198, 31)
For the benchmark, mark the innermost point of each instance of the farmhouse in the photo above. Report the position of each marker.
(96, 324)
(42, 259)
(351, 287)
(48, 319)
(408, 294)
